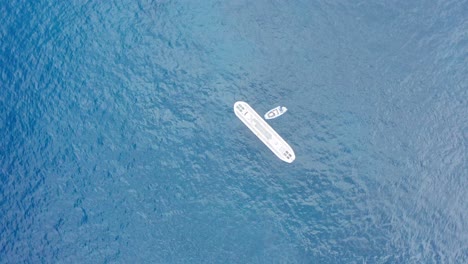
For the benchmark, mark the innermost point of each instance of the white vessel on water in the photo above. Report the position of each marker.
(264, 131)
(275, 112)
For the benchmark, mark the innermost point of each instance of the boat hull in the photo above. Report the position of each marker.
(275, 112)
(264, 131)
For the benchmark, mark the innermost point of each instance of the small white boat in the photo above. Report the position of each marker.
(275, 112)
(264, 131)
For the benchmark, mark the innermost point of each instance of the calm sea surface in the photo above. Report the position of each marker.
(118, 141)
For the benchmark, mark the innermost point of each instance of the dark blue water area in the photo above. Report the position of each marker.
(119, 143)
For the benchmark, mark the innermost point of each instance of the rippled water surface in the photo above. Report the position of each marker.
(119, 143)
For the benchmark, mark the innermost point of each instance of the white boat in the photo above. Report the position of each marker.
(264, 131)
(275, 112)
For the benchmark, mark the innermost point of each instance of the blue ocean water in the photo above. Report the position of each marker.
(119, 143)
